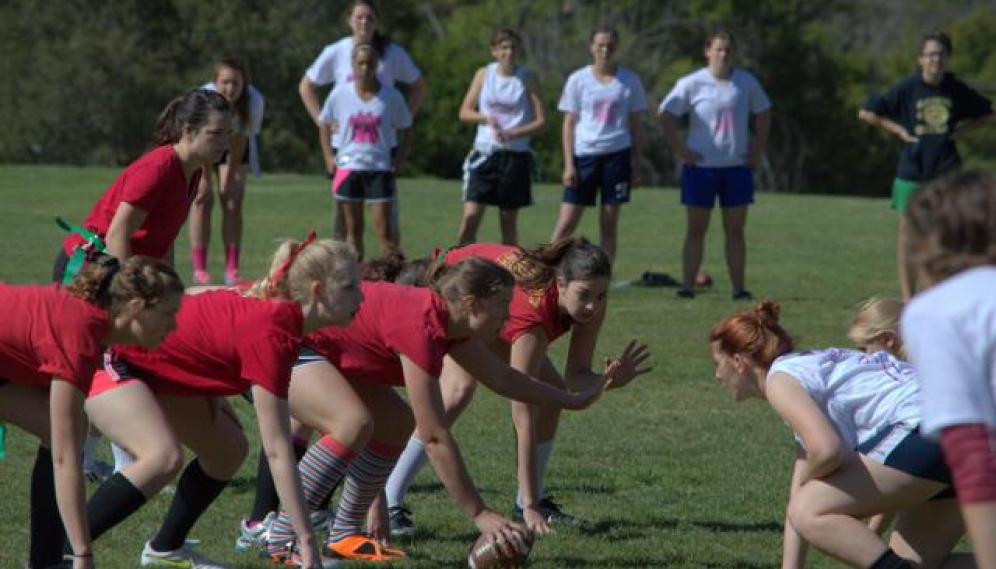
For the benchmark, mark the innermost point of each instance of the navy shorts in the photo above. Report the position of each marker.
(700, 186)
(308, 356)
(905, 449)
(503, 178)
(607, 175)
(363, 186)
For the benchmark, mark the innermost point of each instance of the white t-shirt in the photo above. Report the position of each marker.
(719, 125)
(366, 129)
(335, 65)
(950, 332)
(859, 393)
(603, 109)
(506, 100)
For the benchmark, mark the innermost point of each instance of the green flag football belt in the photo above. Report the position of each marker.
(92, 243)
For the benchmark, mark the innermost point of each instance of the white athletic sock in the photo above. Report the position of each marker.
(121, 458)
(543, 451)
(90, 447)
(409, 464)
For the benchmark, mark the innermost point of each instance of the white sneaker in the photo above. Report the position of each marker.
(183, 558)
(254, 537)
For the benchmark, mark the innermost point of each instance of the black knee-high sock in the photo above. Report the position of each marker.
(46, 524)
(889, 560)
(115, 500)
(194, 493)
(267, 500)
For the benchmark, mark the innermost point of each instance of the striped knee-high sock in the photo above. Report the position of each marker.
(364, 480)
(321, 468)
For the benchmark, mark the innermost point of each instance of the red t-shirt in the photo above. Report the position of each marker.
(48, 332)
(155, 184)
(393, 319)
(223, 344)
(529, 307)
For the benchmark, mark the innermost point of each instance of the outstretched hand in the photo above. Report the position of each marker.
(624, 369)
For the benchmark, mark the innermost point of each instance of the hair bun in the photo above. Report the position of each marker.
(768, 311)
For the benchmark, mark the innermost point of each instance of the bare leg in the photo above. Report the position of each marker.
(353, 216)
(734, 224)
(567, 222)
(473, 213)
(508, 220)
(691, 255)
(199, 227)
(609, 222)
(827, 512)
(232, 197)
(380, 214)
(981, 521)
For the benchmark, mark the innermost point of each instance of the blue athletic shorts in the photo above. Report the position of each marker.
(307, 356)
(700, 186)
(605, 174)
(903, 448)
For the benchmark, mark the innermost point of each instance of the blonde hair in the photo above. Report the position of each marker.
(874, 317)
(297, 264)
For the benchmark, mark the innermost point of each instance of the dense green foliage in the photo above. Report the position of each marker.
(84, 80)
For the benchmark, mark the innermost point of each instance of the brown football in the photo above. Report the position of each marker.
(484, 554)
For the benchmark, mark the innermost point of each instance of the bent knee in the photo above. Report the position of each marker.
(351, 426)
(165, 460)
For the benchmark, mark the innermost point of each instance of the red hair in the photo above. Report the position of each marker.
(755, 333)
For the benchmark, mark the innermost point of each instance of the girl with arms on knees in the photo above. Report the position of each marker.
(950, 328)
(928, 112)
(141, 213)
(858, 453)
(503, 100)
(602, 138)
(399, 338)
(334, 65)
(371, 117)
(561, 289)
(231, 80)
(720, 155)
(50, 347)
(151, 402)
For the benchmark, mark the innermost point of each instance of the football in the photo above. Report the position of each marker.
(484, 554)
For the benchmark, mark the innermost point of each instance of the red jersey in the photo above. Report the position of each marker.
(530, 307)
(393, 319)
(224, 343)
(48, 332)
(155, 184)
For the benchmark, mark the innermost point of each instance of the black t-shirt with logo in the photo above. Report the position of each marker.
(931, 114)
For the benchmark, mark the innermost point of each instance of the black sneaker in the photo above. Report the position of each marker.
(401, 522)
(551, 511)
(742, 294)
(685, 293)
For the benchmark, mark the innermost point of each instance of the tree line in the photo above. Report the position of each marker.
(83, 80)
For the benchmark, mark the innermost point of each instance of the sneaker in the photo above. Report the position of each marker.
(201, 277)
(742, 294)
(183, 558)
(401, 522)
(361, 547)
(232, 278)
(253, 535)
(685, 293)
(551, 511)
(286, 555)
(97, 470)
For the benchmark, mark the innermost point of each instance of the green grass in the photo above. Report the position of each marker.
(668, 472)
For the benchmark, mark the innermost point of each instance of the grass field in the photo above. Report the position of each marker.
(668, 472)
